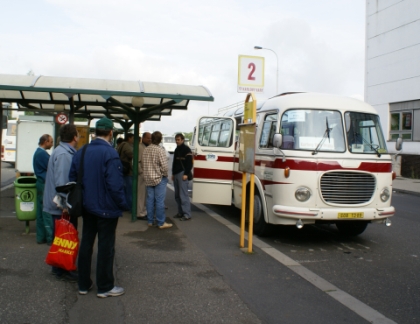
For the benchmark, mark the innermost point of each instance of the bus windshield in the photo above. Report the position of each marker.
(312, 130)
(364, 133)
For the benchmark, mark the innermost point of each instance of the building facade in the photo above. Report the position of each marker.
(392, 76)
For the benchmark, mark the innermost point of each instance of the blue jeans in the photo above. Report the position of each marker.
(156, 201)
(105, 228)
(128, 188)
(181, 195)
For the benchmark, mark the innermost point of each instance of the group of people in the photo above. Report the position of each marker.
(106, 194)
(153, 177)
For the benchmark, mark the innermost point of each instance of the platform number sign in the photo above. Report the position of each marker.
(250, 74)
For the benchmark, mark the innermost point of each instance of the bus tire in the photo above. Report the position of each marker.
(351, 228)
(261, 228)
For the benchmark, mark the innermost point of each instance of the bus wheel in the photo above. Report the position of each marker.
(351, 228)
(261, 228)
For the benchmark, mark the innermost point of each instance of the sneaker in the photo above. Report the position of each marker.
(142, 218)
(165, 225)
(185, 218)
(178, 216)
(66, 276)
(84, 292)
(114, 292)
(150, 224)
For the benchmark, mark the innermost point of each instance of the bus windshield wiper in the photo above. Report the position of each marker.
(355, 134)
(326, 134)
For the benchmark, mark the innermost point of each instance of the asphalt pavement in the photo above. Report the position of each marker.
(193, 272)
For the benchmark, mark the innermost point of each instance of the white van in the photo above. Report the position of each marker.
(8, 147)
(318, 159)
(169, 143)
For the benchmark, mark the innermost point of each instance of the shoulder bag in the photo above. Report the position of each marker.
(74, 190)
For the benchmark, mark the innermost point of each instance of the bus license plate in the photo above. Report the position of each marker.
(350, 215)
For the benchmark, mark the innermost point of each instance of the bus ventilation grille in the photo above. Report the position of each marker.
(347, 188)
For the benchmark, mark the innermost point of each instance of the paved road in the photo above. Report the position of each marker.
(8, 174)
(381, 267)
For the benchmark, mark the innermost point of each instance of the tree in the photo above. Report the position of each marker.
(188, 136)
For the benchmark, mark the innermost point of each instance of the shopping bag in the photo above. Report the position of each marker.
(64, 248)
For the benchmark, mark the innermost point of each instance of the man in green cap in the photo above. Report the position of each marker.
(103, 203)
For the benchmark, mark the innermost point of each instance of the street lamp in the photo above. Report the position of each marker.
(277, 71)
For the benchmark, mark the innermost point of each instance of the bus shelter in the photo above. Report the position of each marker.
(128, 103)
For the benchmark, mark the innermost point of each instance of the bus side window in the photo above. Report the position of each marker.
(225, 140)
(215, 130)
(268, 131)
(206, 135)
(290, 132)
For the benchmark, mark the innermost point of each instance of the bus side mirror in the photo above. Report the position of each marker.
(398, 144)
(277, 140)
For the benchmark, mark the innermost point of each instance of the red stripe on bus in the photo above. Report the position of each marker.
(213, 174)
(324, 165)
(302, 165)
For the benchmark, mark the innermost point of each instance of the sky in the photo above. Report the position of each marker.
(320, 45)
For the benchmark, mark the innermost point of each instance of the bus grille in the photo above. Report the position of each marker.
(347, 188)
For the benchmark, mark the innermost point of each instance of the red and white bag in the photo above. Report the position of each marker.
(64, 248)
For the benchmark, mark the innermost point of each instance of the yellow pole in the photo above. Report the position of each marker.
(242, 235)
(251, 186)
(251, 212)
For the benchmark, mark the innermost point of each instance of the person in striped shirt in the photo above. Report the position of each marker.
(155, 171)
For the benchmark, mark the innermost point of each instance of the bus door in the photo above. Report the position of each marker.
(214, 154)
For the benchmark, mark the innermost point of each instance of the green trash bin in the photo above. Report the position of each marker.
(25, 199)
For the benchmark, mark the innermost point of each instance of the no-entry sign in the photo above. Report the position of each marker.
(61, 118)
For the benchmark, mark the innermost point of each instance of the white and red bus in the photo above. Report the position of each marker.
(318, 159)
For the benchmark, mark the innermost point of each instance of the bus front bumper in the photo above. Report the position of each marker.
(334, 214)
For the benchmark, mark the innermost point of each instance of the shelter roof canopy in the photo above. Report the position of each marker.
(91, 98)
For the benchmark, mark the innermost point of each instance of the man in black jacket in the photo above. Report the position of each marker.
(181, 167)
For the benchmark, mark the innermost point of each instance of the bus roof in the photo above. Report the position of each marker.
(303, 100)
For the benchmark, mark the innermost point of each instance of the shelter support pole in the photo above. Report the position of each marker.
(71, 114)
(136, 120)
(1, 133)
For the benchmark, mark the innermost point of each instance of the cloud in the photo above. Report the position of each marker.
(320, 45)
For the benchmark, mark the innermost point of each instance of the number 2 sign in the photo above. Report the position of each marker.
(250, 74)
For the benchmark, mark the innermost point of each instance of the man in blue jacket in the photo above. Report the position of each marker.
(103, 202)
(44, 226)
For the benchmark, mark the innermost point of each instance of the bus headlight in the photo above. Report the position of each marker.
(384, 194)
(302, 194)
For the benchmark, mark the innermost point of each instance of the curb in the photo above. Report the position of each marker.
(414, 193)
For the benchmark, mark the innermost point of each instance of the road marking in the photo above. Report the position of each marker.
(7, 187)
(360, 308)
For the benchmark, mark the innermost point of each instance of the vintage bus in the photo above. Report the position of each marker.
(318, 159)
